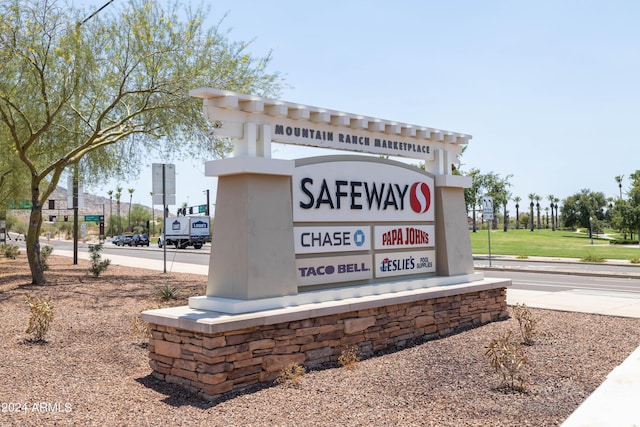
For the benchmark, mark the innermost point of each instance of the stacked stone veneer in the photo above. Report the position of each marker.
(231, 359)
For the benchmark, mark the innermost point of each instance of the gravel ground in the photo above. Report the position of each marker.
(93, 369)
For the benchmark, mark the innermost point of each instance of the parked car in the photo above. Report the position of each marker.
(126, 239)
(116, 240)
(140, 240)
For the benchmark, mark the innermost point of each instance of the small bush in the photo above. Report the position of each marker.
(635, 260)
(291, 374)
(508, 360)
(41, 317)
(10, 251)
(45, 251)
(166, 292)
(522, 257)
(592, 258)
(98, 265)
(139, 327)
(349, 357)
(527, 323)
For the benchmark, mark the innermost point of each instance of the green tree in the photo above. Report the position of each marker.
(472, 194)
(537, 199)
(517, 200)
(119, 223)
(131, 190)
(139, 217)
(619, 179)
(498, 188)
(633, 215)
(103, 93)
(582, 208)
(532, 197)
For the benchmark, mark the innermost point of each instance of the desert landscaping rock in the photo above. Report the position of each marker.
(94, 370)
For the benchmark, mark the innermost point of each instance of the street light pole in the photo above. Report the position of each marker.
(75, 171)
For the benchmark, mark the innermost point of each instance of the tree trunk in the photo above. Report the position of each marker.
(474, 218)
(33, 241)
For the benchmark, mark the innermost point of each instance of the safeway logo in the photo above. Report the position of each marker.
(355, 190)
(420, 197)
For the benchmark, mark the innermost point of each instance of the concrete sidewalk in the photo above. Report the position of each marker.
(614, 403)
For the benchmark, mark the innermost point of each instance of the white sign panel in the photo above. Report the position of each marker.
(316, 271)
(169, 199)
(70, 194)
(169, 185)
(404, 263)
(487, 208)
(310, 240)
(353, 190)
(327, 136)
(404, 236)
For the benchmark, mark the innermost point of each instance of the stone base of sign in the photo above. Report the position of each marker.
(212, 353)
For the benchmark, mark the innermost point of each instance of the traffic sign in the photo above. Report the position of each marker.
(92, 218)
(202, 208)
(487, 208)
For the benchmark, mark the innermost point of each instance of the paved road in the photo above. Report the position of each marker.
(531, 274)
(558, 264)
(539, 281)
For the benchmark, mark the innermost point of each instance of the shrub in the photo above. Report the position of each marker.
(41, 317)
(591, 258)
(98, 265)
(507, 359)
(166, 292)
(349, 357)
(45, 251)
(635, 260)
(139, 327)
(291, 374)
(10, 251)
(527, 323)
(522, 257)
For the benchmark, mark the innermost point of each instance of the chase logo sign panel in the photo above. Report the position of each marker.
(324, 239)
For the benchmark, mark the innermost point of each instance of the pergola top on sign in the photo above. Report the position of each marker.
(256, 121)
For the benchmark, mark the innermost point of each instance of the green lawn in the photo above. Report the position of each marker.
(549, 243)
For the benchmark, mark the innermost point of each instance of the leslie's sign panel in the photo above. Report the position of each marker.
(361, 191)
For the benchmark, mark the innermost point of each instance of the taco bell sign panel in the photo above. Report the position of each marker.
(361, 190)
(316, 271)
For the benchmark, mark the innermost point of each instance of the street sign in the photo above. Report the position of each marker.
(92, 218)
(20, 204)
(487, 208)
(202, 208)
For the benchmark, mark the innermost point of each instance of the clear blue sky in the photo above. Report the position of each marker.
(549, 90)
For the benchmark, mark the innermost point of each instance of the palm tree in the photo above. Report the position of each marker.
(110, 193)
(118, 195)
(619, 181)
(505, 222)
(538, 198)
(517, 200)
(131, 190)
(531, 197)
(553, 223)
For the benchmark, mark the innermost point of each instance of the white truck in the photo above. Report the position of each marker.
(184, 231)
